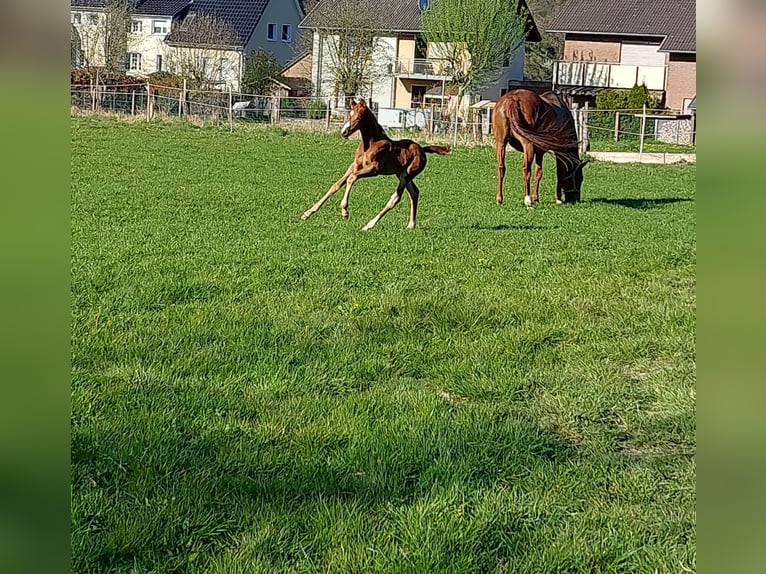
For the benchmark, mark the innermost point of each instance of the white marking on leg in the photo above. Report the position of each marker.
(527, 201)
(559, 202)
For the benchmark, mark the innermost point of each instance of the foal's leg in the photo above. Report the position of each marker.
(414, 192)
(500, 149)
(390, 205)
(335, 187)
(538, 175)
(529, 153)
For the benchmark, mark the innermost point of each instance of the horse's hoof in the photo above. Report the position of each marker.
(344, 215)
(559, 202)
(527, 201)
(306, 215)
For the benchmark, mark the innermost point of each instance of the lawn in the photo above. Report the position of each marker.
(499, 390)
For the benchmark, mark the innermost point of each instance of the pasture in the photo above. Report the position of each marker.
(499, 390)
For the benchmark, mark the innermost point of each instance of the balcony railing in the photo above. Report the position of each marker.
(422, 68)
(605, 75)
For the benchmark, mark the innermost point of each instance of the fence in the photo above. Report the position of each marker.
(598, 130)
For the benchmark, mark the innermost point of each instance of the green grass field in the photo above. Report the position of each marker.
(499, 390)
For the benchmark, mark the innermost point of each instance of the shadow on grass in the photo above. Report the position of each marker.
(641, 203)
(508, 227)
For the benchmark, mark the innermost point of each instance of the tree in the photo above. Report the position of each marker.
(101, 39)
(476, 38)
(353, 54)
(261, 67)
(540, 56)
(204, 50)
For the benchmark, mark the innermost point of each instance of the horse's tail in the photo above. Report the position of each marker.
(441, 150)
(549, 134)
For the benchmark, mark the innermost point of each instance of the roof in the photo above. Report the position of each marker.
(95, 3)
(242, 15)
(390, 16)
(673, 20)
(161, 7)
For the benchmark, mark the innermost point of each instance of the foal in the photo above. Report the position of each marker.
(534, 125)
(378, 154)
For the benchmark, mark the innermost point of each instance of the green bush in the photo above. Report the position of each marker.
(316, 109)
(634, 99)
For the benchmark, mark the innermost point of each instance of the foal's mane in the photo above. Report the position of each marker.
(377, 130)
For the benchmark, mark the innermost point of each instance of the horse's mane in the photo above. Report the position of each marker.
(377, 130)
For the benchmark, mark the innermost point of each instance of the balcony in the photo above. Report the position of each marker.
(422, 69)
(606, 75)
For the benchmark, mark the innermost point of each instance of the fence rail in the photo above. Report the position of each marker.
(598, 130)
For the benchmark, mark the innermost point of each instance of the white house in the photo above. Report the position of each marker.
(163, 35)
(407, 71)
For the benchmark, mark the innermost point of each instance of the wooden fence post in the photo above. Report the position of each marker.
(329, 112)
(616, 126)
(231, 110)
(643, 129)
(585, 135)
(133, 102)
(148, 102)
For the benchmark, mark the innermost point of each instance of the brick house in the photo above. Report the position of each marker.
(620, 43)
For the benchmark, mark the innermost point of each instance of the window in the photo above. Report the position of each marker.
(134, 61)
(92, 18)
(159, 62)
(137, 26)
(76, 18)
(287, 32)
(159, 27)
(271, 32)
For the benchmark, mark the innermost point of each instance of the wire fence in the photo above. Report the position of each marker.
(598, 130)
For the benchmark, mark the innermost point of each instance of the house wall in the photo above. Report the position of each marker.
(379, 92)
(514, 72)
(90, 29)
(405, 48)
(149, 44)
(596, 49)
(681, 79)
(300, 69)
(281, 12)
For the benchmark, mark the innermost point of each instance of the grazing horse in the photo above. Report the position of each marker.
(378, 154)
(534, 125)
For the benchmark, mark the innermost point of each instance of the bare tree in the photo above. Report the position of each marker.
(204, 49)
(353, 55)
(100, 39)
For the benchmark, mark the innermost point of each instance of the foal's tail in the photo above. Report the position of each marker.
(441, 150)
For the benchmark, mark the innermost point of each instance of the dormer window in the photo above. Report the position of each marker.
(159, 27)
(271, 32)
(287, 32)
(137, 26)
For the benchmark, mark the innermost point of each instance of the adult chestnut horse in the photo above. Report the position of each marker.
(534, 125)
(378, 154)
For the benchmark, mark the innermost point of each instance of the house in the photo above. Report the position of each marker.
(620, 43)
(406, 71)
(214, 36)
(204, 39)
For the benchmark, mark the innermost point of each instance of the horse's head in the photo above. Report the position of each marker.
(355, 117)
(571, 183)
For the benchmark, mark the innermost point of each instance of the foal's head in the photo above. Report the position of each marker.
(357, 116)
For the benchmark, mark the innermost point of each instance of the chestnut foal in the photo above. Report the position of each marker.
(378, 154)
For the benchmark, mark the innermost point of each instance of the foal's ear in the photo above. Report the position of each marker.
(362, 103)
